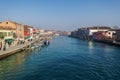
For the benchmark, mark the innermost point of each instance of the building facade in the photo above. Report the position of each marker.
(26, 32)
(19, 33)
(118, 35)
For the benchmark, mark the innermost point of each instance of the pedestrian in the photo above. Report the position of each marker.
(9, 44)
(4, 48)
(0, 46)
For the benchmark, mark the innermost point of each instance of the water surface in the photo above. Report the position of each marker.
(64, 59)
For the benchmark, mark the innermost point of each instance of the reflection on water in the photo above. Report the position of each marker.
(12, 63)
(90, 45)
(107, 49)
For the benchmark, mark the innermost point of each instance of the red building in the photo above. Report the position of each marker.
(98, 36)
(102, 36)
(26, 32)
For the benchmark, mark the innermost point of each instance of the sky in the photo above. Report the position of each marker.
(61, 14)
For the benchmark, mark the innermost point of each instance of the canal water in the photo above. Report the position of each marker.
(64, 59)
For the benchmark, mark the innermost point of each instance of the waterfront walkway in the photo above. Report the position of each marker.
(14, 49)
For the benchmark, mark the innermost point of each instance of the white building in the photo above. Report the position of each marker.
(92, 30)
(111, 33)
(31, 32)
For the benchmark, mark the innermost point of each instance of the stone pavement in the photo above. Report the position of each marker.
(14, 49)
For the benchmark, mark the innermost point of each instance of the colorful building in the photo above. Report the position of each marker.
(19, 33)
(111, 33)
(6, 36)
(91, 30)
(26, 32)
(35, 33)
(105, 35)
(31, 32)
(87, 33)
(100, 36)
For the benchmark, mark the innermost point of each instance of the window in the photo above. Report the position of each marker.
(9, 33)
(21, 36)
(6, 22)
(14, 35)
(114, 33)
(20, 29)
(3, 34)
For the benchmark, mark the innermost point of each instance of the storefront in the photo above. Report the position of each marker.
(8, 40)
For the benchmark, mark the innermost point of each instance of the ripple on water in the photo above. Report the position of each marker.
(65, 59)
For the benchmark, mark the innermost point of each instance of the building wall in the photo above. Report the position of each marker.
(104, 36)
(27, 33)
(8, 34)
(91, 31)
(118, 35)
(8, 24)
(20, 31)
(31, 31)
(18, 27)
(110, 33)
(73, 34)
(98, 36)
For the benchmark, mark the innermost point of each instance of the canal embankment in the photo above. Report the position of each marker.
(15, 49)
(114, 43)
(26, 46)
(102, 34)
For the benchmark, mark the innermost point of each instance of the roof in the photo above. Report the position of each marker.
(14, 22)
(99, 27)
(95, 27)
(113, 29)
(6, 28)
(27, 26)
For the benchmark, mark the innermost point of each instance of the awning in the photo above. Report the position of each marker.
(8, 40)
(27, 37)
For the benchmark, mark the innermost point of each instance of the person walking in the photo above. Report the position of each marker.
(0, 46)
(4, 48)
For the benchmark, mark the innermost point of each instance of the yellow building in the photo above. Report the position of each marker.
(6, 36)
(19, 29)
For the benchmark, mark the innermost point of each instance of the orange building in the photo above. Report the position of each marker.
(19, 33)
